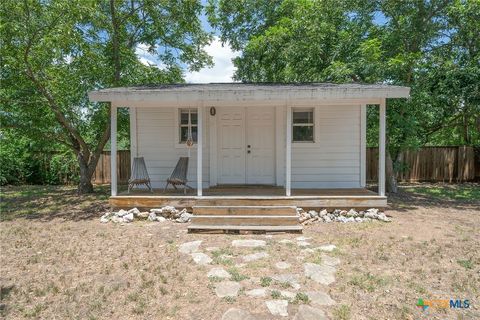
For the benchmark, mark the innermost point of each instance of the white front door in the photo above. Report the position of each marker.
(246, 145)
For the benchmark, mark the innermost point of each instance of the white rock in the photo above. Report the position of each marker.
(303, 243)
(128, 217)
(291, 279)
(323, 213)
(135, 211)
(330, 261)
(152, 216)
(161, 219)
(277, 307)
(212, 248)
(257, 293)
(237, 314)
(201, 258)
(121, 213)
(189, 247)
(227, 289)
(184, 217)
(106, 217)
(309, 313)
(320, 298)
(248, 243)
(282, 265)
(143, 215)
(327, 247)
(116, 219)
(219, 273)
(322, 274)
(255, 256)
(288, 294)
(285, 241)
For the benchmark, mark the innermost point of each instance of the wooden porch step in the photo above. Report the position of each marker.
(259, 220)
(245, 218)
(200, 228)
(245, 210)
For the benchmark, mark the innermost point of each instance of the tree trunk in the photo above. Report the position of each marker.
(87, 169)
(391, 179)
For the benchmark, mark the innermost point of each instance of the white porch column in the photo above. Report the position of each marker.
(288, 155)
(199, 150)
(113, 149)
(381, 149)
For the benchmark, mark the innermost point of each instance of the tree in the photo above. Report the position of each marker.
(54, 52)
(430, 46)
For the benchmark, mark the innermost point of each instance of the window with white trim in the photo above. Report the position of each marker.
(188, 120)
(303, 124)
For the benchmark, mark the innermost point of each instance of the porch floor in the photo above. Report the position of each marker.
(251, 195)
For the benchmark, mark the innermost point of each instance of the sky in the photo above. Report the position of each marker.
(222, 55)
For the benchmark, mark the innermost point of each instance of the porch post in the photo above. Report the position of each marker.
(199, 150)
(381, 149)
(288, 150)
(113, 149)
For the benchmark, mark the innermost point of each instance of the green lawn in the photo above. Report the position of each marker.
(464, 192)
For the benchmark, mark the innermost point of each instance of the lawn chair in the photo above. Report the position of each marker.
(179, 175)
(139, 175)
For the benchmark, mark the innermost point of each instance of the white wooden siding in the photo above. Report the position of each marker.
(333, 160)
(156, 141)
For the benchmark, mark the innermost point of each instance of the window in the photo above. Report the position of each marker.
(185, 124)
(303, 123)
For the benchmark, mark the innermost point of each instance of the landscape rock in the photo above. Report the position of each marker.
(257, 293)
(277, 307)
(282, 265)
(330, 261)
(288, 294)
(291, 279)
(189, 247)
(128, 217)
(322, 274)
(135, 211)
(106, 217)
(255, 256)
(227, 289)
(309, 313)
(161, 219)
(327, 247)
(237, 314)
(116, 219)
(320, 298)
(121, 213)
(249, 243)
(219, 273)
(184, 216)
(152, 216)
(201, 258)
(143, 215)
(285, 241)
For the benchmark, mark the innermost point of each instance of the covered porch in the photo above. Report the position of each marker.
(360, 198)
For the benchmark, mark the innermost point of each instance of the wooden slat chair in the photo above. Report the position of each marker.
(139, 175)
(179, 175)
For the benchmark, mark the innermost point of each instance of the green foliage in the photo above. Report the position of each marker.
(431, 46)
(55, 52)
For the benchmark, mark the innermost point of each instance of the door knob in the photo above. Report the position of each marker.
(248, 151)
(248, 146)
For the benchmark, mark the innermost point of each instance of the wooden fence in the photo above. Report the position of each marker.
(436, 164)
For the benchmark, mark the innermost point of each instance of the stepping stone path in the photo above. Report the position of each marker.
(237, 314)
(227, 289)
(201, 258)
(320, 298)
(219, 273)
(309, 313)
(255, 256)
(322, 273)
(258, 293)
(282, 265)
(277, 307)
(189, 247)
(291, 279)
(327, 247)
(249, 243)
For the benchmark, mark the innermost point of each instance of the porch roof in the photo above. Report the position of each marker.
(214, 92)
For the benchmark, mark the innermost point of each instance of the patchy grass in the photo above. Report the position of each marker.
(236, 275)
(465, 192)
(265, 281)
(342, 312)
(49, 202)
(467, 264)
(301, 297)
(368, 281)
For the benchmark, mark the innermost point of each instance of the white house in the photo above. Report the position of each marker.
(302, 140)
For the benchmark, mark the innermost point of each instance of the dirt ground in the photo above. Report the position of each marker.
(56, 264)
